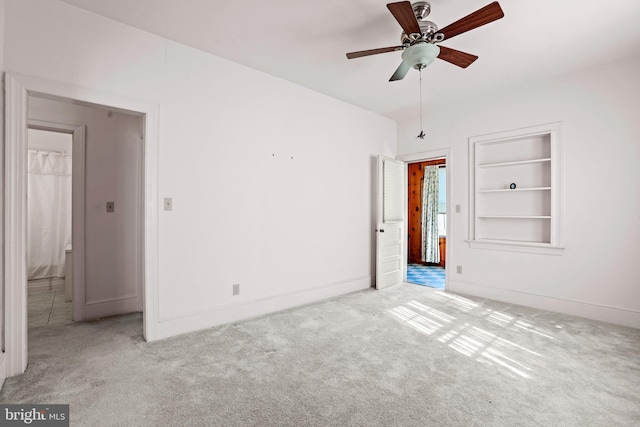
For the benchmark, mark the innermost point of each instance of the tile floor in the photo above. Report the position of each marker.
(426, 275)
(48, 308)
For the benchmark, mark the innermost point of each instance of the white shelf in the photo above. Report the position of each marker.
(516, 246)
(515, 216)
(508, 190)
(516, 163)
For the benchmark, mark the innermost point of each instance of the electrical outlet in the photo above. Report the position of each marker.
(459, 269)
(457, 208)
(168, 204)
(236, 289)
(110, 207)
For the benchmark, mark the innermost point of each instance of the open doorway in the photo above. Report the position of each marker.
(106, 252)
(49, 194)
(427, 223)
(20, 93)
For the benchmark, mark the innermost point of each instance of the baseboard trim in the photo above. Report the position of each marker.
(618, 316)
(109, 308)
(3, 368)
(192, 323)
(45, 285)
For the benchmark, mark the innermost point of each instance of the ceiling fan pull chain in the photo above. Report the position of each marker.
(421, 115)
(421, 135)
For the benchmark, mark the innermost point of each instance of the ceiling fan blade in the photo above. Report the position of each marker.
(403, 12)
(480, 17)
(402, 71)
(456, 57)
(362, 53)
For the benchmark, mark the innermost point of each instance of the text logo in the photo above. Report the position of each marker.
(34, 415)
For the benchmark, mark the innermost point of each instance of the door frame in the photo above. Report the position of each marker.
(77, 198)
(424, 156)
(17, 90)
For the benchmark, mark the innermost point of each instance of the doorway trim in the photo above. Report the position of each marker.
(17, 90)
(424, 156)
(77, 196)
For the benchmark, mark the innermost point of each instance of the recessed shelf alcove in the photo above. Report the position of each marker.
(516, 190)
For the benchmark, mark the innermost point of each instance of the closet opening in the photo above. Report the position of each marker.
(427, 223)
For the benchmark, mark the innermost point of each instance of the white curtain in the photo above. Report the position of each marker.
(430, 240)
(49, 213)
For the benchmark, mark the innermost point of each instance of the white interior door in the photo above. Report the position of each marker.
(390, 222)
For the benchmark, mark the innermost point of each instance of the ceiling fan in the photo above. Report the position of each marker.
(419, 36)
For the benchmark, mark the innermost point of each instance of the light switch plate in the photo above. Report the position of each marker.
(168, 204)
(110, 207)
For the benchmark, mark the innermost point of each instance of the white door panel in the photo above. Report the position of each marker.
(110, 278)
(390, 222)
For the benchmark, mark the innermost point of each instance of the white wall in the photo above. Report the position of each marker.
(50, 141)
(2, 34)
(271, 182)
(597, 276)
(112, 164)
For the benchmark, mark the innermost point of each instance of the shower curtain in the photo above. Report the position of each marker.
(49, 213)
(430, 240)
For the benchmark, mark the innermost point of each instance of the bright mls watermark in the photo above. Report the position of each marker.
(34, 415)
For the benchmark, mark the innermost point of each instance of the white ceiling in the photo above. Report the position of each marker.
(305, 42)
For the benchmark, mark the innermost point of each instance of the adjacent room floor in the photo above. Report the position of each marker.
(48, 308)
(426, 275)
(406, 356)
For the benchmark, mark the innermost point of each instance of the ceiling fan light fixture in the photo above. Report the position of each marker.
(420, 55)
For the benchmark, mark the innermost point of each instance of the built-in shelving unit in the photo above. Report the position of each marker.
(527, 217)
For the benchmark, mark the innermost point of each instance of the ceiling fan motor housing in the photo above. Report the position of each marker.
(427, 30)
(421, 10)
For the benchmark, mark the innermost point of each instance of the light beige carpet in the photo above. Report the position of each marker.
(406, 356)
